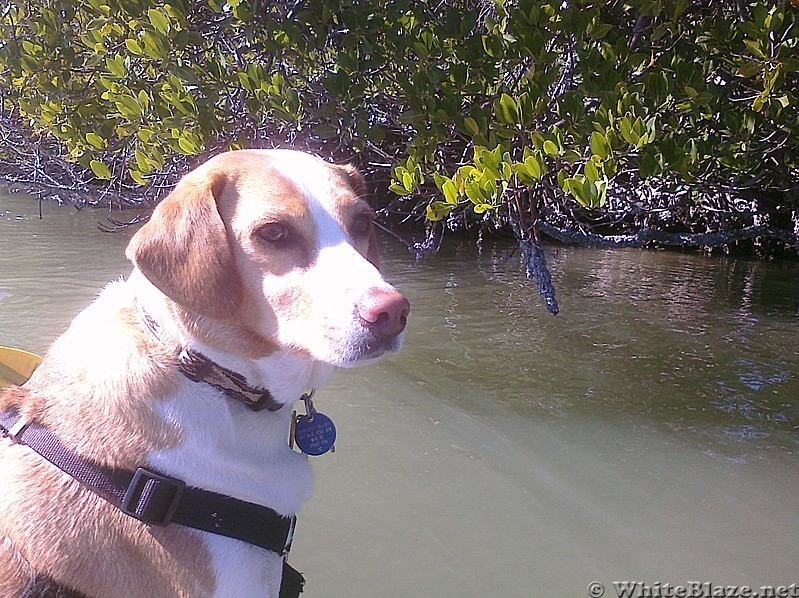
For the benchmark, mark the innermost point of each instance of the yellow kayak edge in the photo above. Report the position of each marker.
(16, 366)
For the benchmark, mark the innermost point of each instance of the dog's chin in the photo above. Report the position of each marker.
(367, 350)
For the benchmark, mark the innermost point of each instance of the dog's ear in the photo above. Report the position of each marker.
(184, 249)
(355, 180)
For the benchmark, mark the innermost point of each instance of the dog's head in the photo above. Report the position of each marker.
(279, 244)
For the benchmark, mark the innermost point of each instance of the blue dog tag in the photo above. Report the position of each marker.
(315, 433)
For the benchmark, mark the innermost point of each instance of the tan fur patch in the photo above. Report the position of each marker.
(15, 571)
(81, 541)
(97, 393)
(184, 249)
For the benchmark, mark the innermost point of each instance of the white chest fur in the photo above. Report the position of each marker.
(227, 448)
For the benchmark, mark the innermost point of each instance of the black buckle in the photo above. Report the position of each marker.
(289, 537)
(152, 498)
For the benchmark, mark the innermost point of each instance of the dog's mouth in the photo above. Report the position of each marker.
(371, 348)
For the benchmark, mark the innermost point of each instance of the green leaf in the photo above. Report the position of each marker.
(562, 178)
(526, 108)
(574, 186)
(530, 171)
(133, 47)
(450, 192)
(187, 146)
(507, 110)
(550, 149)
(100, 170)
(159, 20)
(471, 126)
(599, 145)
(755, 48)
(144, 99)
(155, 46)
(116, 65)
(137, 176)
(438, 210)
(95, 141)
(476, 193)
(601, 192)
(601, 30)
(398, 189)
(143, 161)
(627, 132)
(591, 172)
(408, 182)
(749, 70)
(128, 106)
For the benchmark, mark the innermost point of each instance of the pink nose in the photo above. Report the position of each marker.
(384, 312)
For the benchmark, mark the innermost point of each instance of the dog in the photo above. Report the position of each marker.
(253, 279)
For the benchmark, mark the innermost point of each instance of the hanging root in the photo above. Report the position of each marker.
(536, 267)
(524, 221)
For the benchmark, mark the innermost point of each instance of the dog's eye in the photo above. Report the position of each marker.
(274, 232)
(361, 224)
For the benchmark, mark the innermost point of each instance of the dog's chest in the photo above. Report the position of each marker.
(243, 570)
(234, 451)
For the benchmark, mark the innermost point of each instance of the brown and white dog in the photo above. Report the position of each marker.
(264, 262)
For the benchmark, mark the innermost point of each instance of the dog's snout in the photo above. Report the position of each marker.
(384, 311)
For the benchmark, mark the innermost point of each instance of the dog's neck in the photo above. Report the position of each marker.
(286, 374)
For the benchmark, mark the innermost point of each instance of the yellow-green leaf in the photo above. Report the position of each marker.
(159, 20)
(155, 45)
(507, 110)
(591, 171)
(100, 170)
(144, 99)
(133, 47)
(95, 140)
(471, 125)
(116, 65)
(137, 176)
(187, 146)
(398, 189)
(450, 192)
(438, 210)
(599, 145)
(128, 106)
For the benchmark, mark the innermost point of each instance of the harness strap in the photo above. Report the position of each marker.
(157, 499)
(44, 586)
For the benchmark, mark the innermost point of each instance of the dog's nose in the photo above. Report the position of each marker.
(384, 312)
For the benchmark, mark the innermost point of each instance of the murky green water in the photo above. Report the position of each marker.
(649, 432)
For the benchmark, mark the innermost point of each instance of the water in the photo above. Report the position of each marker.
(648, 433)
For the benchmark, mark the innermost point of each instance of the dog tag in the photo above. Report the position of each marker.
(314, 433)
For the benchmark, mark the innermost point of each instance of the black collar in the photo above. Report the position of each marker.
(156, 499)
(199, 368)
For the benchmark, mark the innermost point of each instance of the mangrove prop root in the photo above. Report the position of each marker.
(650, 236)
(536, 267)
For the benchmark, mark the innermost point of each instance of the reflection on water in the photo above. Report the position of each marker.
(648, 432)
(691, 343)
